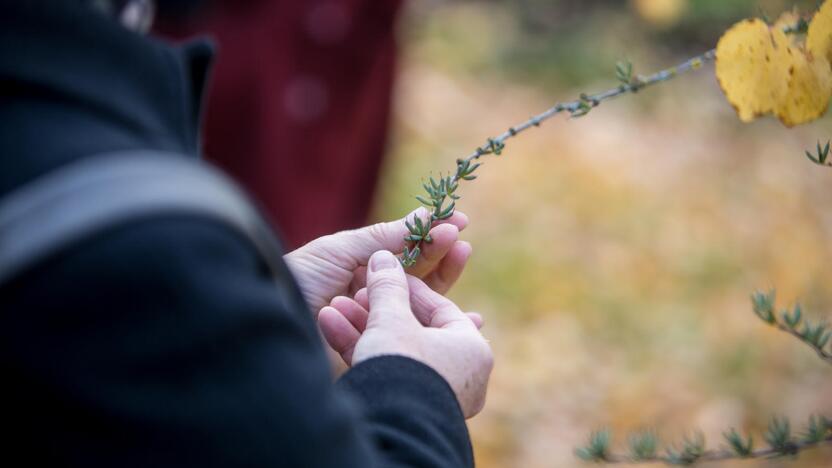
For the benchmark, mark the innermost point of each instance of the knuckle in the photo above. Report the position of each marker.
(389, 282)
(377, 232)
(445, 307)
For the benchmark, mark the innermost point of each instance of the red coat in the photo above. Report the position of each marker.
(299, 106)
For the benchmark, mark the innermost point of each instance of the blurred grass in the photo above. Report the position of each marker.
(614, 254)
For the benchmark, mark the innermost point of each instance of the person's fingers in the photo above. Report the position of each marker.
(338, 332)
(362, 298)
(350, 251)
(424, 311)
(450, 268)
(359, 280)
(433, 309)
(359, 244)
(388, 292)
(476, 318)
(458, 219)
(352, 311)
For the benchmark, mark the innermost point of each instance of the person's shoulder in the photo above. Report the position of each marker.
(174, 245)
(154, 255)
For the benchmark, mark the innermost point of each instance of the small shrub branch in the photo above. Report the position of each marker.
(441, 193)
(713, 455)
(823, 354)
(778, 436)
(817, 336)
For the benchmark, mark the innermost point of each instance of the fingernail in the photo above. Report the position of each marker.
(383, 260)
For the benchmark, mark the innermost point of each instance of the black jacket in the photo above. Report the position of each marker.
(161, 342)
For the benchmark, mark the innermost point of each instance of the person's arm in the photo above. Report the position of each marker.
(163, 343)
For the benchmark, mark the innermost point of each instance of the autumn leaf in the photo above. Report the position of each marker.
(763, 70)
(808, 90)
(748, 70)
(819, 38)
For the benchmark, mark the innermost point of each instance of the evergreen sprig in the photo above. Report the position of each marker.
(624, 72)
(692, 449)
(817, 336)
(597, 448)
(440, 191)
(817, 430)
(742, 447)
(643, 445)
(778, 435)
(822, 156)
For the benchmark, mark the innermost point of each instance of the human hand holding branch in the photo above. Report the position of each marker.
(400, 315)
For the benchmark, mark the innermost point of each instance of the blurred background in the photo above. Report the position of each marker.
(614, 255)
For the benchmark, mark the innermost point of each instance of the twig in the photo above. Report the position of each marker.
(441, 190)
(823, 354)
(717, 455)
(815, 336)
(778, 436)
(643, 446)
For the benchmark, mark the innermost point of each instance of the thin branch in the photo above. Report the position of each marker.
(816, 336)
(718, 455)
(577, 108)
(440, 191)
(822, 353)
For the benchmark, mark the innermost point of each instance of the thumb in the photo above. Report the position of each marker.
(388, 292)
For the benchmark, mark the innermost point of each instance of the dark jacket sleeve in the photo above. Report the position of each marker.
(164, 344)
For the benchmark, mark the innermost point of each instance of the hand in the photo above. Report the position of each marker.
(401, 315)
(336, 265)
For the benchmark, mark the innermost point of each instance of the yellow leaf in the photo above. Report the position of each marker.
(810, 74)
(808, 90)
(763, 70)
(748, 71)
(819, 37)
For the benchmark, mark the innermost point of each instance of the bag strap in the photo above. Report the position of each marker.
(83, 198)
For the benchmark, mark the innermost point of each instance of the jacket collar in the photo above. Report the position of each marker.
(80, 58)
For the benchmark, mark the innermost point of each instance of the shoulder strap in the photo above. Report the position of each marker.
(76, 201)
